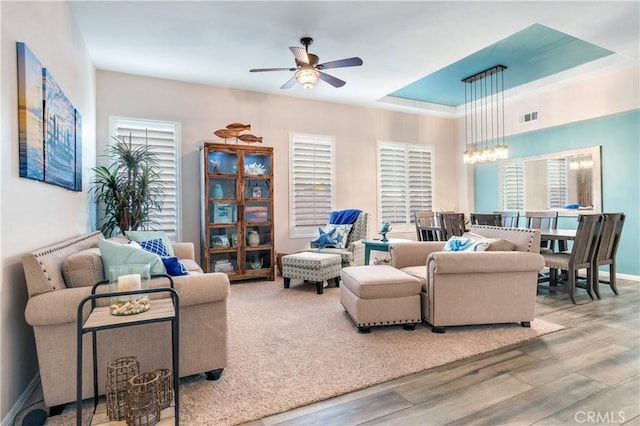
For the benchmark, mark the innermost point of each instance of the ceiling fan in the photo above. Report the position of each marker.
(308, 70)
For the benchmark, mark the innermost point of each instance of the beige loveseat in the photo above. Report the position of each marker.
(52, 311)
(465, 288)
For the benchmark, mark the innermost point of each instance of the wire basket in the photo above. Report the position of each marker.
(165, 382)
(143, 400)
(119, 372)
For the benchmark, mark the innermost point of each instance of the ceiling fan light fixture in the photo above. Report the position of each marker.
(307, 77)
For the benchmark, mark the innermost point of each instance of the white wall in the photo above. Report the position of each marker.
(35, 214)
(204, 109)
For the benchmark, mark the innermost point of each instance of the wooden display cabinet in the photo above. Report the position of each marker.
(237, 210)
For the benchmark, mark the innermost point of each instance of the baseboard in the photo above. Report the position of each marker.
(605, 275)
(21, 403)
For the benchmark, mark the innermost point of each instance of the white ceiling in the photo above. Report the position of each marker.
(216, 43)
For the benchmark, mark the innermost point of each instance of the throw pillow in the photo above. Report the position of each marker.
(83, 269)
(174, 266)
(155, 246)
(325, 239)
(140, 236)
(465, 244)
(495, 244)
(114, 254)
(339, 234)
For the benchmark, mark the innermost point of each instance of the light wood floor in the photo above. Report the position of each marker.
(587, 374)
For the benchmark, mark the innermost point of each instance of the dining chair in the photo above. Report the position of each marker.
(452, 224)
(425, 224)
(544, 220)
(582, 256)
(491, 219)
(509, 219)
(610, 232)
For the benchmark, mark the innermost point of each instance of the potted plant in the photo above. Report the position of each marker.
(129, 189)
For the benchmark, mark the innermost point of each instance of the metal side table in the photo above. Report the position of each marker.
(101, 319)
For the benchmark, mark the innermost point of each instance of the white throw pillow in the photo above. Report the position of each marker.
(465, 244)
(339, 233)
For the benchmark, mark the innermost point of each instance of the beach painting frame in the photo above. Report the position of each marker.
(30, 114)
(50, 128)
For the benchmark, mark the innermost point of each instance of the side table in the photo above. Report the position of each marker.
(101, 319)
(378, 245)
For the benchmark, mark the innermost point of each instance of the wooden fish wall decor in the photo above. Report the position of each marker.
(233, 131)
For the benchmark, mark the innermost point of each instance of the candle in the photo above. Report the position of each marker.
(129, 282)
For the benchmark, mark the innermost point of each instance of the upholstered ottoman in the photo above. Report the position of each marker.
(314, 267)
(380, 295)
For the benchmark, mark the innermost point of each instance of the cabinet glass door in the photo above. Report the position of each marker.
(222, 162)
(257, 164)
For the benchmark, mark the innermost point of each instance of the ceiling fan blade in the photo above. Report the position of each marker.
(335, 82)
(300, 53)
(289, 84)
(272, 69)
(340, 63)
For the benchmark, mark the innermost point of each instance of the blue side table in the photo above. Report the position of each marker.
(378, 245)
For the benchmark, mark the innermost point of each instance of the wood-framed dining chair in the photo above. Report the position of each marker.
(451, 224)
(425, 224)
(582, 256)
(491, 219)
(509, 219)
(545, 219)
(610, 233)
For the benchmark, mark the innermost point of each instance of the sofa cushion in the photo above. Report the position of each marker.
(83, 268)
(124, 254)
(495, 244)
(379, 282)
(456, 244)
(140, 236)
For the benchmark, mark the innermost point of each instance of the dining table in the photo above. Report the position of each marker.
(560, 235)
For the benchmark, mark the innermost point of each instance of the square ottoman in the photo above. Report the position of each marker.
(311, 266)
(380, 295)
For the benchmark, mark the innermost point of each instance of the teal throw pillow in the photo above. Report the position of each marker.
(114, 254)
(140, 236)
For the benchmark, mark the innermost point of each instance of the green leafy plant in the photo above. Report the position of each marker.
(130, 189)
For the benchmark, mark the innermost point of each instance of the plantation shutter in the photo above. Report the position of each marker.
(557, 183)
(405, 181)
(163, 140)
(512, 186)
(311, 183)
(420, 184)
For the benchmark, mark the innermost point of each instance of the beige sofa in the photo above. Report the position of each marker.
(465, 288)
(52, 311)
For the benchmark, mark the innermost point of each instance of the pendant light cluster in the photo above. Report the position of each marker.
(484, 116)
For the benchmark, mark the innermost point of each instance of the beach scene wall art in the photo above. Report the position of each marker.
(50, 128)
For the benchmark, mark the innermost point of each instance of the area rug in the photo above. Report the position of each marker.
(292, 347)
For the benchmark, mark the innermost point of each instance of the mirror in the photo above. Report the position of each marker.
(568, 181)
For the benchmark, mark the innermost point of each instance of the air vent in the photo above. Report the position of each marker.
(530, 116)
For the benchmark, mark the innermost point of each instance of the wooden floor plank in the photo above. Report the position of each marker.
(611, 406)
(615, 369)
(531, 406)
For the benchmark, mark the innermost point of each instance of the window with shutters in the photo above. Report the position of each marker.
(557, 183)
(512, 186)
(405, 183)
(311, 184)
(163, 138)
